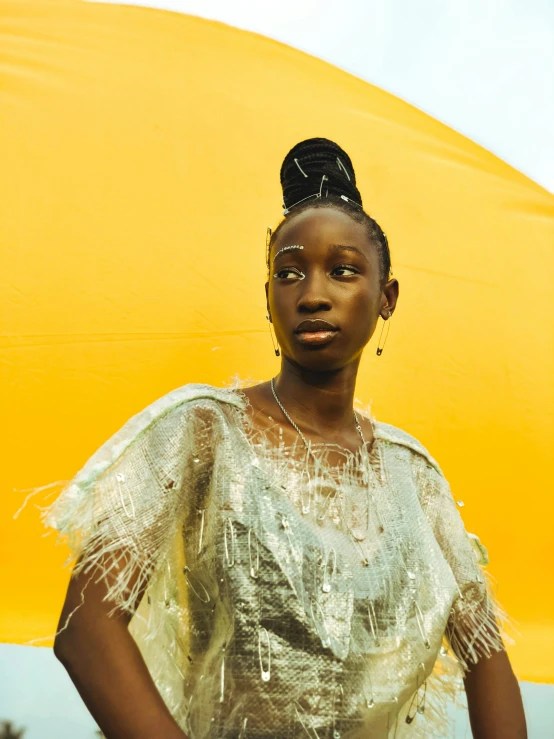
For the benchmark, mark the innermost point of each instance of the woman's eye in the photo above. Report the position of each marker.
(288, 273)
(345, 270)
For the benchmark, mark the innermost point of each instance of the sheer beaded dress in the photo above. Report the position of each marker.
(287, 592)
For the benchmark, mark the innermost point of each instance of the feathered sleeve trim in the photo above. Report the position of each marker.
(120, 512)
(476, 625)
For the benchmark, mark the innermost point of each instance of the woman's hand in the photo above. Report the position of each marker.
(494, 699)
(107, 668)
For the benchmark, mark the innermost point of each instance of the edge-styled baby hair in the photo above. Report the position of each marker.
(318, 173)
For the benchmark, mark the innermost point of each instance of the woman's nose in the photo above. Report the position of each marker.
(314, 297)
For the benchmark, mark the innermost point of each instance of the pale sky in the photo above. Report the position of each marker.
(483, 67)
(36, 693)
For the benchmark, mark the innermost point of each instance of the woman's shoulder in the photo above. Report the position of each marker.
(182, 397)
(395, 435)
(187, 394)
(150, 420)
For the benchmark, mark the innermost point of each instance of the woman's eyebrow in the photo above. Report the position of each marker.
(287, 248)
(346, 247)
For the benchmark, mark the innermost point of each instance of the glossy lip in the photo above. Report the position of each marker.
(315, 331)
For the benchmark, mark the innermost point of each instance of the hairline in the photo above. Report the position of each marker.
(317, 205)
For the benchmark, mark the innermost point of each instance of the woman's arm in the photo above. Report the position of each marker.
(494, 699)
(107, 668)
(122, 515)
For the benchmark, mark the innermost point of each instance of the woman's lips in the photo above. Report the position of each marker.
(315, 337)
(315, 331)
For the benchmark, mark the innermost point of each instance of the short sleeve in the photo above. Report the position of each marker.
(474, 626)
(120, 512)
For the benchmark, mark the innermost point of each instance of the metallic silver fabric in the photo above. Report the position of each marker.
(285, 596)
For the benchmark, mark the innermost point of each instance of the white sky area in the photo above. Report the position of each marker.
(483, 67)
(37, 694)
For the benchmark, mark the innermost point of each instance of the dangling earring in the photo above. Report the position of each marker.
(275, 348)
(267, 245)
(380, 348)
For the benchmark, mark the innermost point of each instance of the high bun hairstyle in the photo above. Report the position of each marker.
(317, 173)
(314, 163)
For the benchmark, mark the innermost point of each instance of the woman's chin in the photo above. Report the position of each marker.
(316, 359)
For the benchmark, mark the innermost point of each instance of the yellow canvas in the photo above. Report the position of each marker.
(140, 156)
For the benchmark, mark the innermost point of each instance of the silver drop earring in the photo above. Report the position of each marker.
(380, 348)
(275, 347)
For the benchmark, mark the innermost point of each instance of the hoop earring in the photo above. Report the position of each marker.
(380, 348)
(275, 348)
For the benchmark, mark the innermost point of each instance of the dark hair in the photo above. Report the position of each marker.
(317, 173)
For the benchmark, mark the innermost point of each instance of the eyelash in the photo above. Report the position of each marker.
(277, 275)
(347, 266)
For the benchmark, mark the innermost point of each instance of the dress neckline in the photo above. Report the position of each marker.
(247, 427)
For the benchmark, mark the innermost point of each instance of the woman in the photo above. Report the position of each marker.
(267, 562)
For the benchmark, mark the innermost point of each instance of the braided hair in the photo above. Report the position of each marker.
(317, 173)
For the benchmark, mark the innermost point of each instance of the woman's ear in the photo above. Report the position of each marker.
(390, 295)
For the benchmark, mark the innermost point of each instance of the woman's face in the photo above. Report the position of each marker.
(324, 299)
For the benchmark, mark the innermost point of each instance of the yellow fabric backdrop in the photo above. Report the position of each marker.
(140, 156)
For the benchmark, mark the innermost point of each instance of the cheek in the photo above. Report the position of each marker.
(278, 304)
(363, 311)
(363, 303)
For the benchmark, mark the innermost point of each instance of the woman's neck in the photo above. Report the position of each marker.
(321, 402)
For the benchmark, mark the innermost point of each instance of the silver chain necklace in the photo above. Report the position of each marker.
(289, 419)
(357, 535)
